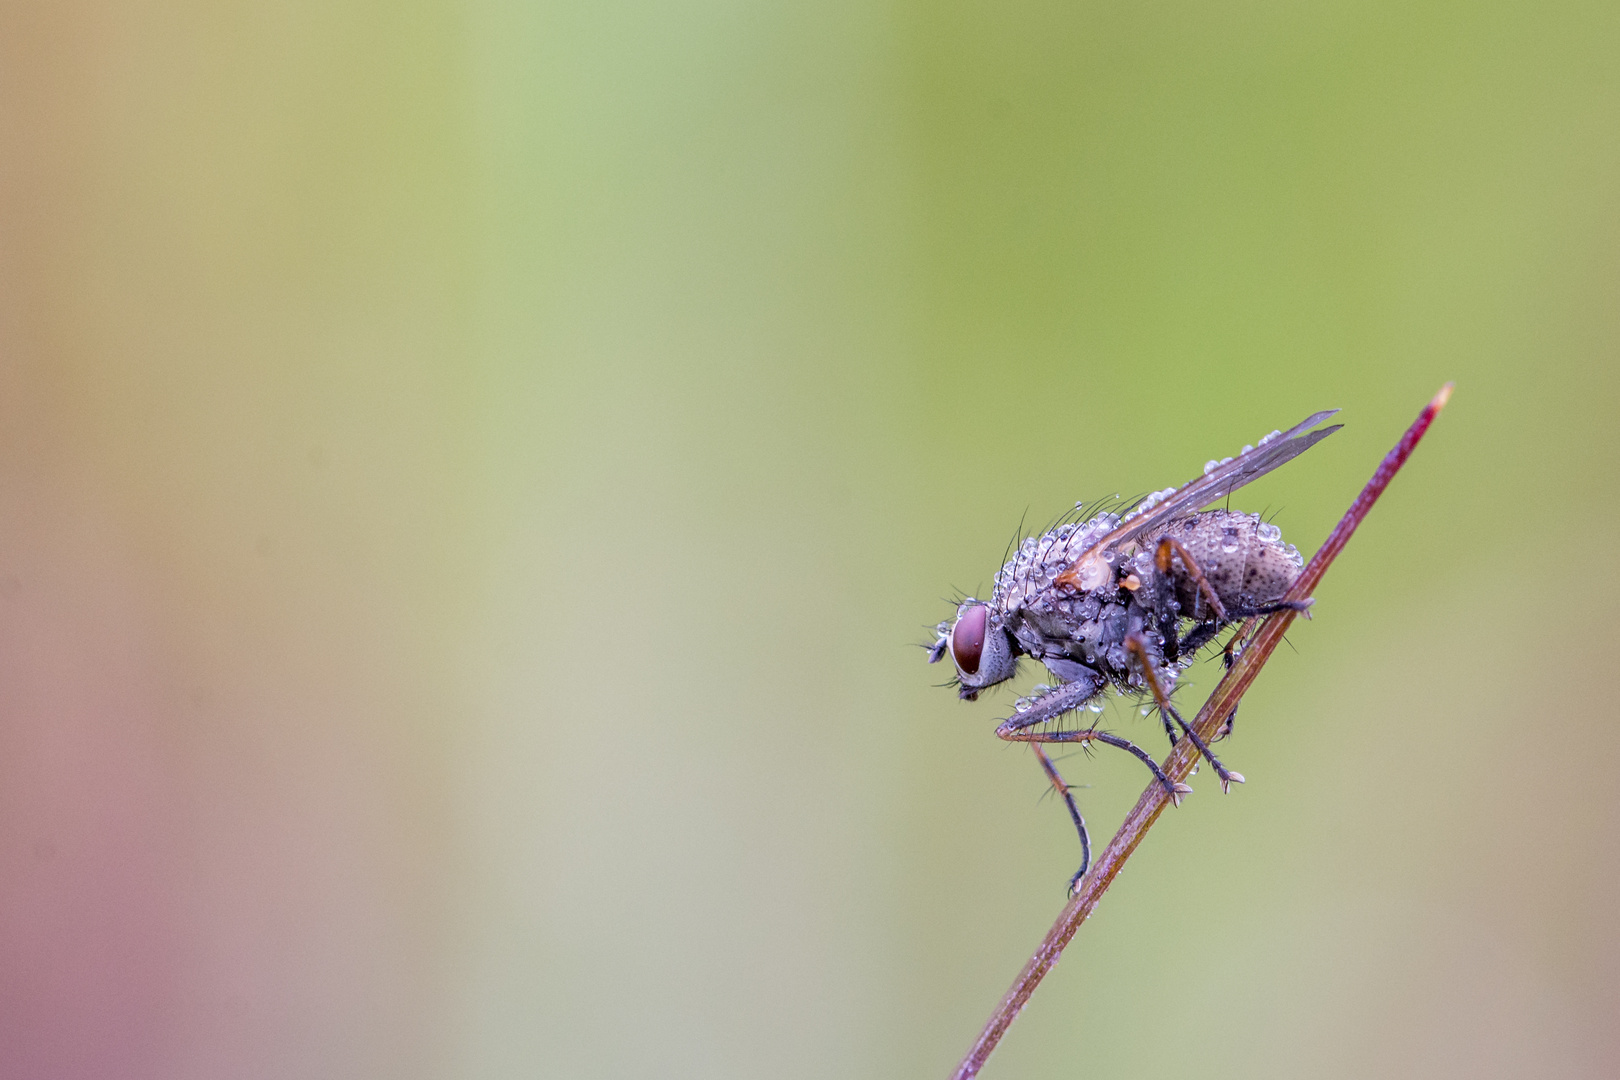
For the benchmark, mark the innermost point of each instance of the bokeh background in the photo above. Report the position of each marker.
(473, 477)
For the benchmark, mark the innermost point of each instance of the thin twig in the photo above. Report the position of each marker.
(1180, 763)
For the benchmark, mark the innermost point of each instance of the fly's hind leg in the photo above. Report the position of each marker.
(1197, 638)
(1228, 658)
(1233, 648)
(1151, 677)
(1271, 607)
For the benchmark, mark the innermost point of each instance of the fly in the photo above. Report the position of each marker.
(1125, 601)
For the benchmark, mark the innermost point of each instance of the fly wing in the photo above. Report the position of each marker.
(1193, 496)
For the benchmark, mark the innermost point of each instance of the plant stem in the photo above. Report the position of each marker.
(1184, 756)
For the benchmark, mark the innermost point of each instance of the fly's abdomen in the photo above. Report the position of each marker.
(1244, 559)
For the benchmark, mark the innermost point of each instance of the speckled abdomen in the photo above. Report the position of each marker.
(1244, 559)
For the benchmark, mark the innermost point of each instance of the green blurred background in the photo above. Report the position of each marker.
(473, 476)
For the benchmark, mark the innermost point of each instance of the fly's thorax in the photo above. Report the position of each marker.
(1244, 559)
(1027, 578)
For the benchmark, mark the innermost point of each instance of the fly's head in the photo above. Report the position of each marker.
(979, 645)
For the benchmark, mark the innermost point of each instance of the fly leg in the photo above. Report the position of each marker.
(1232, 650)
(1015, 730)
(1010, 731)
(1228, 658)
(1199, 635)
(1271, 607)
(1062, 789)
(1151, 677)
(1196, 639)
(1205, 632)
(1161, 559)
(1169, 728)
(1065, 699)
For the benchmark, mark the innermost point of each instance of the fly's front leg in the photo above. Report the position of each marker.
(1062, 789)
(1134, 645)
(1064, 699)
(1067, 698)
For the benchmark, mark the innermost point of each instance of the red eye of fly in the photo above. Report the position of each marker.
(967, 638)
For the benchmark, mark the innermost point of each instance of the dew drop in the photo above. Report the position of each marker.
(1210, 466)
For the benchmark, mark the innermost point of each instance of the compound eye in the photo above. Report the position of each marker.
(967, 638)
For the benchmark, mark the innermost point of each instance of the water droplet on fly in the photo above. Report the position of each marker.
(1247, 450)
(1095, 706)
(1268, 532)
(1210, 466)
